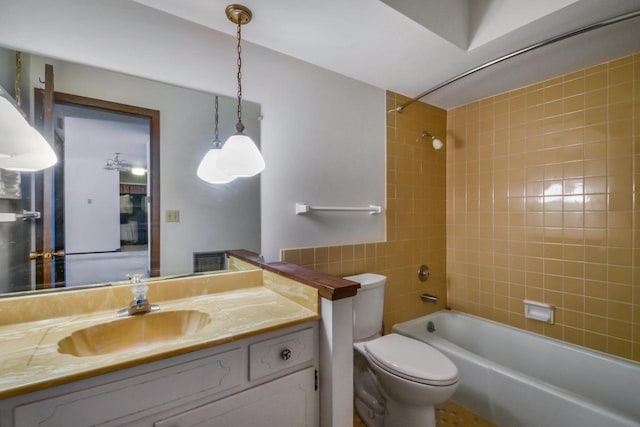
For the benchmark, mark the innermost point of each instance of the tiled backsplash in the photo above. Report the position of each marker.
(415, 214)
(542, 203)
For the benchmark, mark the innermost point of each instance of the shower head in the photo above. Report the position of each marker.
(437, 144)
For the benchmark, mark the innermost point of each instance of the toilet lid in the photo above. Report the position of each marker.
(412, 359)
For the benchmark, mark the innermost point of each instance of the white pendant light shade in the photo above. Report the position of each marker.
(240, 156)
(39, 156)
(14, 130)
(209, 171)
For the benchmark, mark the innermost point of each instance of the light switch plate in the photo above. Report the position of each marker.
(172, 215)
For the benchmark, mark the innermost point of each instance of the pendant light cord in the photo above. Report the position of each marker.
(217, 139)
(16, 84)
(239, 126)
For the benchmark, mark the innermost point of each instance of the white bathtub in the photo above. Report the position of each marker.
(516, 378)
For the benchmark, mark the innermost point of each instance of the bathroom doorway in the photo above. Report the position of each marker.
(102, 194)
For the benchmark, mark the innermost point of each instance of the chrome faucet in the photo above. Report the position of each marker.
(429, 298)
(140, 303)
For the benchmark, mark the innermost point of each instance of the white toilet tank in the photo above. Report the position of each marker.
(368, 305)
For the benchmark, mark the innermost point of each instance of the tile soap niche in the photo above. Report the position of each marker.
(539, 311)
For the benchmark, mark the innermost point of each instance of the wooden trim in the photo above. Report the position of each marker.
(154, 181)
(38, 109)
(58, 217)
(101, 104)
(47, 181)
(328, 286)
(43, 110)
(154, 160)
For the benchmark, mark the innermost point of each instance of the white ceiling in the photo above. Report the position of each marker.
(409, 46)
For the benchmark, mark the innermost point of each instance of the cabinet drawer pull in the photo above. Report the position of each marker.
(286, 354)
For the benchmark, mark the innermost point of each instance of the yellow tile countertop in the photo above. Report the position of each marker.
(239, 305)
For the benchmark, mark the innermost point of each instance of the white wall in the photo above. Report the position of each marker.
(7, 70)
(322, 134)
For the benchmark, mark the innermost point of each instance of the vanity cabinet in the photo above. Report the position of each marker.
(284, 403)
(264, 380)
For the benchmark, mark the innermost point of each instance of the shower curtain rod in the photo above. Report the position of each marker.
(529, 48)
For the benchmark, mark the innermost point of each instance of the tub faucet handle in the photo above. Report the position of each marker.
(423, 273)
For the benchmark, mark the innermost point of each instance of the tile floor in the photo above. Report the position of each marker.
(448, 414)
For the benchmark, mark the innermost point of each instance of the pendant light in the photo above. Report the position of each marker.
(117, 164)
(22, 147)
(208, 169)
(240, 155)
(39, 156)
(14, 129)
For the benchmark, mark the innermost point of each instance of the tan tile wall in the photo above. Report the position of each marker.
(415, 215)
(542, 203)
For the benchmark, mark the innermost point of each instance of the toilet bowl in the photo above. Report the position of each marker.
(413, 377)
(397, 380)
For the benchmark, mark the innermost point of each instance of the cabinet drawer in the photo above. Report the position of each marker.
(275, 354)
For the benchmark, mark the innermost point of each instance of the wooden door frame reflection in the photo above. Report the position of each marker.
(154, 162)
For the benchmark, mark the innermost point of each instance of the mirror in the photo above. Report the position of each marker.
(197, 219)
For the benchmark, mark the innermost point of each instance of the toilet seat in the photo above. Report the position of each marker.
(412, 360)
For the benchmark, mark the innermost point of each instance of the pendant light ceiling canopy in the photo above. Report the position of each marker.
(240, 156)
(238, 14)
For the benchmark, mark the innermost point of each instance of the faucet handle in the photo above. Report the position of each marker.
(140, 292)
(134, 277)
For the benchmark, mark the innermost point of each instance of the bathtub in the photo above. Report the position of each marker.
(516, 378)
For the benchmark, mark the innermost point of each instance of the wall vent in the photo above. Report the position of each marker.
(209, 261)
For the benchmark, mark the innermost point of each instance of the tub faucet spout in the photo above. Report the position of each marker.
(429, 298)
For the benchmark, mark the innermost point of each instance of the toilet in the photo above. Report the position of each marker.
(397, 380)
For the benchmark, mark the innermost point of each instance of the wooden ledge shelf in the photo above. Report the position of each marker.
(328, 286)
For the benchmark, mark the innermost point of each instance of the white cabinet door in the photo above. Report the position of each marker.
(111, 402)
(290, 401)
